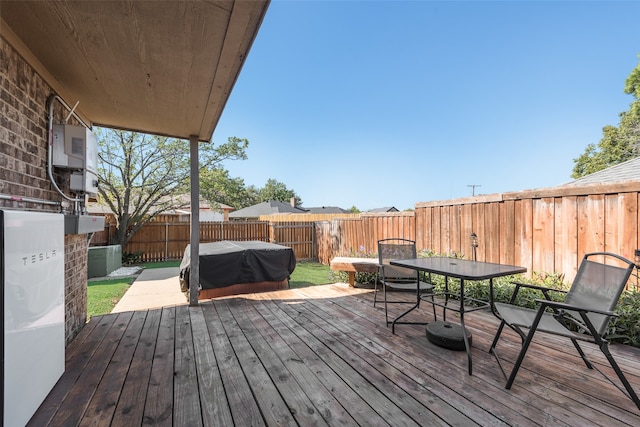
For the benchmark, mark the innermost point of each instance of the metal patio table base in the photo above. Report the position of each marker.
(448, 335)
(463, 270)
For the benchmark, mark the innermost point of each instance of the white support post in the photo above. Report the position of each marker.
(194, 272)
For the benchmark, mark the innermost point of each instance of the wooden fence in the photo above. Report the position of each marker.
(157, 241)
(305, 217)
(298, 235)
(547, 231)
(359, 236)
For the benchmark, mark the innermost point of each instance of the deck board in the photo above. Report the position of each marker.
(244, 408)
(319, 356)
(102, 405)
(326, 377)
(215, 410)
(409, 396)
(486, 385)
(284, 347)
(186, 406)
(130, 407)
(158, 408)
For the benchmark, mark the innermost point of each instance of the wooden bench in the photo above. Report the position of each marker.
(354, 265)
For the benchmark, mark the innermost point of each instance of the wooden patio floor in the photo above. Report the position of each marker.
(318, 356)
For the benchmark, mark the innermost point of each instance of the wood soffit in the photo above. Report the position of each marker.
(165, 68)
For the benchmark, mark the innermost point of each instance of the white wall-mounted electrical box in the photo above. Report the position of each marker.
(76, 148)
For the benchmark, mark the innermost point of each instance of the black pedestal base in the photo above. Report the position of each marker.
(448, 335)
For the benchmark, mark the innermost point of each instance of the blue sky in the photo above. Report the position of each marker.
(391, 103)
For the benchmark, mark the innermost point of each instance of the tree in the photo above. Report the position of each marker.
(217, 186)
(354, 210)
(618, 144)
(138, 173)
(275, 190)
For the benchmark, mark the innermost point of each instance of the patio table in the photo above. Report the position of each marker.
(464, 270)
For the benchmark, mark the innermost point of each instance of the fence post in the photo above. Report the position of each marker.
(272, 232)
(166, 241)
(314, 249)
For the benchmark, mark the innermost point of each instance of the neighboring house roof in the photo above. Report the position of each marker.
(326, 210)
(183, 202)
(384, 209)
(625, 171)
(181, 206)
(266, 208)
(98, 209)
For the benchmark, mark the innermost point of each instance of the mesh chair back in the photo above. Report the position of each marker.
(390, 249)
(597, 286)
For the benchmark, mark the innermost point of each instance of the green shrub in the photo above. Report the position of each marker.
(367, 279)
(626, 328)
(129, 258)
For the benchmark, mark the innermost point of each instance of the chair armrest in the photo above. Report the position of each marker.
(545, 290)
(540, 288)
(564, 306)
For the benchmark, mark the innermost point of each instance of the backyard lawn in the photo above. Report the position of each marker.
(103, 295)
(310, 274)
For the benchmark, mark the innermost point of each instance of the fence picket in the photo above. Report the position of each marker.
(545, 230)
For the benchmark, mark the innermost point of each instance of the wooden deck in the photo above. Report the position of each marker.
(317, 356)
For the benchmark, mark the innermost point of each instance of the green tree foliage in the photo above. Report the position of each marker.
(139, 174)
(354, 210)
(618, 144)
(275, 190)
(218, 187)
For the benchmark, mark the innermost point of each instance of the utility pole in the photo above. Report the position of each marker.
(473, 188)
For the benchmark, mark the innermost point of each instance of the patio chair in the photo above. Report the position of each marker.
(583, 316)
(392, 278)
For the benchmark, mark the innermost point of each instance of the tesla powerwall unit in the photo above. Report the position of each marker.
(76, 148)
(33, 344)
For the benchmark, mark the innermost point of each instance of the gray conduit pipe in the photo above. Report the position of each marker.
(53, 97)
(28, 200)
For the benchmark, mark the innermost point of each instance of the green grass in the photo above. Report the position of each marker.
(310, 274)
(162, 264)
(103, 295)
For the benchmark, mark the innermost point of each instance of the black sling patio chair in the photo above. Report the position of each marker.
(583, 316)
(393, 278)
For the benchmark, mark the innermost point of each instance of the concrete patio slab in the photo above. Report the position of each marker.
(154, 288)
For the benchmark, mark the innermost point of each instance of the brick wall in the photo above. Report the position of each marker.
(75, 283)
(23, 168)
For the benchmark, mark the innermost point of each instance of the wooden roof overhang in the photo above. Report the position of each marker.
(164, 68)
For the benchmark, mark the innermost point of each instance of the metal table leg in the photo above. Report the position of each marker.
(416, 305)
